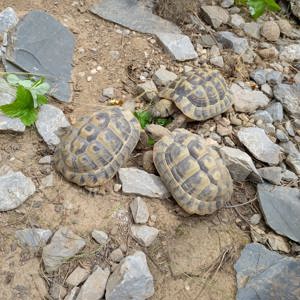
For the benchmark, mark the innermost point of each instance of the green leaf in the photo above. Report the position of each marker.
(144, 117)
(272, 5)
(41, 99)
(12, 79)
(162, 121)
(150, 141)
(22, 107)
(256, 8)
(26, 83)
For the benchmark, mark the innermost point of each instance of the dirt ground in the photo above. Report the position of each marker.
(193, 257)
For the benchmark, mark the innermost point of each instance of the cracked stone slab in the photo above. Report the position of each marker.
(15, 188)
(281, 208)
(135, 181)
(259, 144)
(265, 274)
(40, 44)
(64, 245)
(50, 119)
(135, 16)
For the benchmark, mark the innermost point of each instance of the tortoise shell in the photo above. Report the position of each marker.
(194, 173)
(200, 94)
(96, 146)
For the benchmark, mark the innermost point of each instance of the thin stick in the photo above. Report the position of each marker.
(27, 73)
(241, 204)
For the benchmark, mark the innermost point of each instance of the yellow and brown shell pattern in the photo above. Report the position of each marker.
(200, 94)
(95, 147)
(194, 173)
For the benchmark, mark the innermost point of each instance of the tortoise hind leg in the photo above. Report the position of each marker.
(100, 190)
(180, 121)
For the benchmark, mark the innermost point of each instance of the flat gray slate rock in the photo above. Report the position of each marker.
(135, 181)
(267, 275)
(40, 44)
(259, 144)
(15, 188)
(33, 237)
(131, 14)
(64, 245)
(281, 208)
(134, 15)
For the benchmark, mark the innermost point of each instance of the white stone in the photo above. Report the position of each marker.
(237, 20)
(163, 77)
(33, 237)
(50, 119)
(131, 280)
(15, 188)
(78, 276)
(143, 234)
(100, 237)
(139, 211)
(135, 181)
(290, 53)
(94, 287)
(108, 92)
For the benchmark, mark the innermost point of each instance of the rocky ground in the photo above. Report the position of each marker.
(59, 242)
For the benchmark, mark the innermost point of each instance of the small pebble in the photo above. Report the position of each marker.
(255, 219)
(93, 71)
(89, 78)
(116, 255)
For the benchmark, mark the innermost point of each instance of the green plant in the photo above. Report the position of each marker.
(145, 118)
(258, 7)
(29, 97)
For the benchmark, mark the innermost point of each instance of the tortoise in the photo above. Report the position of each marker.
(192, 171)
(199, 94)
(92, 150)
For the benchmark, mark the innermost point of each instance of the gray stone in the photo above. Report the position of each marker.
(217, 61)
(144, 235)
(255, 219)
(94, 287)
(297, 77)
(135, 181)
(247, 100)
(46, 160)
(30, 53)
(289, 96)
(264, 274)
(267, 90)
(214, 15)
(252, 29)
(72, 295)
(232, 41)
(108, 92)
(131, 279)
(274, 77)
(268, 128)
(264, 116)
(163, 77)
(281, 136)
(8, 19)
(259, 144)
(179, 46)
(290, 53)
(57, 292)
(64, 245)
(281, 208)
(7, 96)
(207, 41)
(287, 175)
(15, 188)
(133, 15)
(148, 89)
(239, 164)
(78, 276)
(289, 128)
(139, 211)
(259, 76)
(293, 161)
(116, 255)
(237, 20)
(50, 119)
(271, 174)
(33, 237)
(227, 3)
(276, 111)
(100, 237)
(270, 31)
(47, 181)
